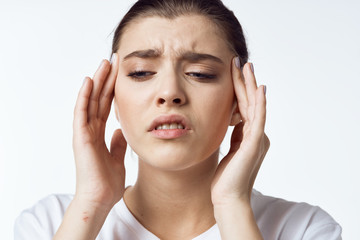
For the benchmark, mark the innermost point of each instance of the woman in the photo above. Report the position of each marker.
(179, 77)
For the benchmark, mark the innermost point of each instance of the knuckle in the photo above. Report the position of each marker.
(266, 141)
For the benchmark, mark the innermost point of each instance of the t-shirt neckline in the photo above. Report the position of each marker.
(142, 233)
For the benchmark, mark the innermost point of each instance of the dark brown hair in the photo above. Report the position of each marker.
(215, 10)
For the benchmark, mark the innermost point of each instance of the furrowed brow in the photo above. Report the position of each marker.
(148, 53)
(196, 57)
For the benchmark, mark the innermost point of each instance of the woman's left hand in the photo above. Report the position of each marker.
(236, 173)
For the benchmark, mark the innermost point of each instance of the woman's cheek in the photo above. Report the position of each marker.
(123, 107)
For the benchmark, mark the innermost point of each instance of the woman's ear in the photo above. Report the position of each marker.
(235, 117)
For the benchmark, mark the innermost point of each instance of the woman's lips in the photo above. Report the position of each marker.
(169, 126)
(169, 119)
(169, 133)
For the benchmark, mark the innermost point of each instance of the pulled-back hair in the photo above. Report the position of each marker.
(215, 10)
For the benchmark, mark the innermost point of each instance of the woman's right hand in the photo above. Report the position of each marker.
(100, 173)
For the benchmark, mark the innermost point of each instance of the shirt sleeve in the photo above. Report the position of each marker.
(322, 227)
(330, 231)
(27, 226)
(42, 220)
(282, 220)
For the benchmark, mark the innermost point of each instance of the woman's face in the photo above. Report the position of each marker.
(174, 74)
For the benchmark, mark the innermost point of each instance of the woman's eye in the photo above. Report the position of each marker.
(201, 76)
(140, 75)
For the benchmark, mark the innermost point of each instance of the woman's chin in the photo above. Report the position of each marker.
(169, 160)
(175, 159)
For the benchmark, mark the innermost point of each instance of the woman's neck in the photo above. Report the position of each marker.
(172, 204)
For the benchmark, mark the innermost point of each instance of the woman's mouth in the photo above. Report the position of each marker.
(169, 133)
(169, 126)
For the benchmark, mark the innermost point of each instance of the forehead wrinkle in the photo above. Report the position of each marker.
(174, 43)
(182, 55)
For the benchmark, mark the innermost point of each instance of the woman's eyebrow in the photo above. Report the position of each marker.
(196, 57)
(185, 56)
(148, 53)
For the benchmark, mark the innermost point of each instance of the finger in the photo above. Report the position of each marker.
(81, 106)
(254, 174)
(251, 87)
(118, 145)
(107, 93)
(99, 79)
(240, 89)
(260, 112)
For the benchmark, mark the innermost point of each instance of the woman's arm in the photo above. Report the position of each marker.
(236, 173)
(100, 173)
(82, 220)
(236, 221)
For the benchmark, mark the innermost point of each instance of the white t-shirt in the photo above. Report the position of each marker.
(277, 219)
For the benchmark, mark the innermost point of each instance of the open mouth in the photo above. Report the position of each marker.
(166, 126)
(169, 126)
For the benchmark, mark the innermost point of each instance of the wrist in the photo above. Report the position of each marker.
(224, 208)
(82, 220)
(236, 220)
(228, 200)
(92, 206)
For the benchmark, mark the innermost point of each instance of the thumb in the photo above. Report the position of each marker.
(118, 145)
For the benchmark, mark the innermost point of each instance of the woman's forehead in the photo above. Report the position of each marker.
(188, 56)
(190, 33)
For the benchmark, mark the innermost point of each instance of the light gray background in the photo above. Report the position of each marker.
(306, 52)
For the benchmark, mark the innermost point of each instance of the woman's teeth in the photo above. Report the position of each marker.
(170, 126)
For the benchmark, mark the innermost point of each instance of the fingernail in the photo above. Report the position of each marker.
(84, 80)
(252, 67)
(265, 89)
(237, 62)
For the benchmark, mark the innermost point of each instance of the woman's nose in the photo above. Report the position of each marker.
(171, 93)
